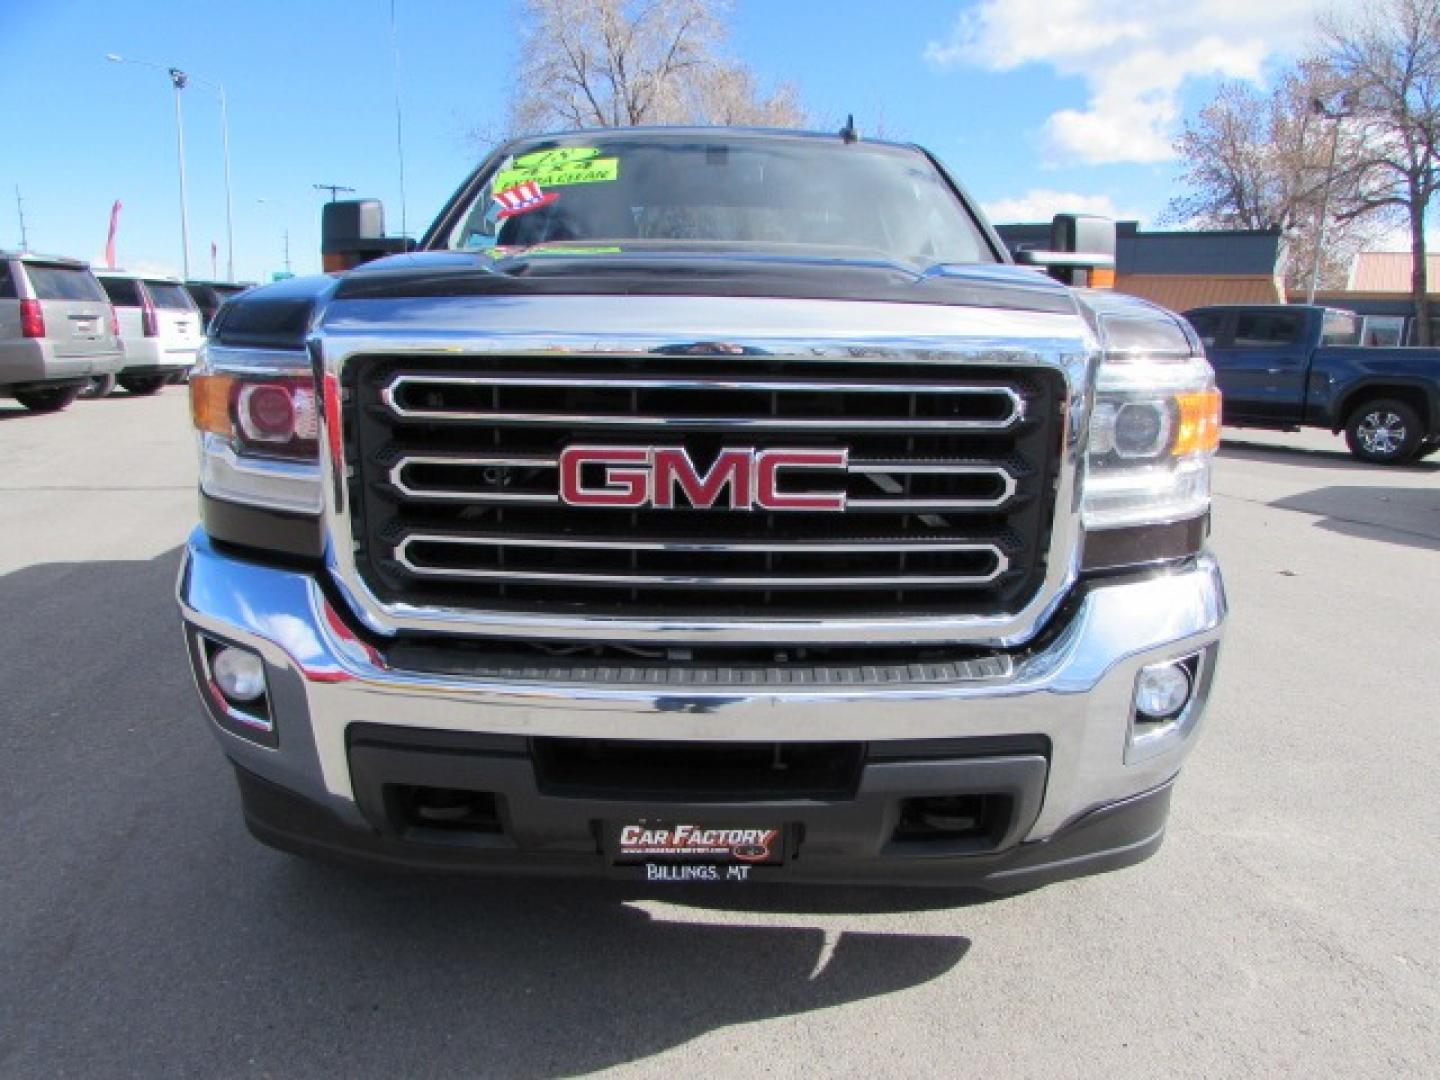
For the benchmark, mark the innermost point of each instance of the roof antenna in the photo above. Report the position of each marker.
(848, 132)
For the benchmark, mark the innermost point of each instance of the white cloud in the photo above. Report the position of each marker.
(1041, 204)
(1133, 63)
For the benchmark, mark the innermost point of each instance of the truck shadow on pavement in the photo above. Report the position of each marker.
(1394, 515)
(570, 976)
(147, 934)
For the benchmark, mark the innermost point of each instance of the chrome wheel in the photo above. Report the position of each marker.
(1382, 433)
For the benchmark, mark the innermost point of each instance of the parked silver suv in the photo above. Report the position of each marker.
(160, 328)
(57, 330)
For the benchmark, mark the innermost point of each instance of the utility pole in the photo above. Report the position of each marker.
(334, 190)
(20, 209)
(287, 251)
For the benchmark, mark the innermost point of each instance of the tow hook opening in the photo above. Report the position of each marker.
(975, 821)
(451, 810)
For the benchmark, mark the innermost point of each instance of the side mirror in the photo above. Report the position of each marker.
(352, 231)
(1082, 251)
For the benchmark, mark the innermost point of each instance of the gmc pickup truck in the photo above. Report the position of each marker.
(1292, 366)
(706, 505)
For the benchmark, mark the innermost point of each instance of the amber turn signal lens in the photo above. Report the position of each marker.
(210, 403)
(1102, 277)
(1199, 429)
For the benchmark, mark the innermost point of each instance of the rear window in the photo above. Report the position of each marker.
(1260, 330)
(1340, 328)
(1383, 331)
(170, 296)
(123, 292)
(7, 282)
(62, 283)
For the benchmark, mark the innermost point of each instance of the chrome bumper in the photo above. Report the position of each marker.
(1077, 690)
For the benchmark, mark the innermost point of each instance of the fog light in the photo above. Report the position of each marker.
(1162, 690)
(239, 674)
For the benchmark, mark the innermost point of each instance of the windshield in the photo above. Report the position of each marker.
(807, 194)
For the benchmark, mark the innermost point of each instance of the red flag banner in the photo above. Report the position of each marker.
(110, 240)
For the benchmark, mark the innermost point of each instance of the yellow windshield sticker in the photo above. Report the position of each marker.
(556, 168)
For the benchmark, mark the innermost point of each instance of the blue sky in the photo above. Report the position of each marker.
(1037, 104)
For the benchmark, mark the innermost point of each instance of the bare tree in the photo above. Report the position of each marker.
(1262, 161)
(728, 94)
(1389, 57)
(613, 63)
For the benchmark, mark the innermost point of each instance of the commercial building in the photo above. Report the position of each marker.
(1189, 269)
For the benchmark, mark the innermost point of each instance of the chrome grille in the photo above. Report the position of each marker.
(948, 484)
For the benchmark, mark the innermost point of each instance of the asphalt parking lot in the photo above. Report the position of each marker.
(1290, 925)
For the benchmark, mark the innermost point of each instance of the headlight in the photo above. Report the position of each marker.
(258, 425)
(1154, 428)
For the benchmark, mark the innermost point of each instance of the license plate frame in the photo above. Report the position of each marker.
(678, 842)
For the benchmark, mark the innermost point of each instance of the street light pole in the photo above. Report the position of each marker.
(177, 80)
(219, 89)
(1321, 109)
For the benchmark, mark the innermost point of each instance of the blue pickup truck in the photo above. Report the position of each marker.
(1288, 366)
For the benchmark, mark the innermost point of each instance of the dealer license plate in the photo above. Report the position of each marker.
(679, 850)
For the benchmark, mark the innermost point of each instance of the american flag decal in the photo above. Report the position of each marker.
(522, 198)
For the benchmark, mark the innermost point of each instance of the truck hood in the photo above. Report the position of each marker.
(700, 270)
(282, 315)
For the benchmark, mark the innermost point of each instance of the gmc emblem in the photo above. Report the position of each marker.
(631, 477)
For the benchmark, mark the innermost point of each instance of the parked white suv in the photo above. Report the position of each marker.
(160, 328)
(57, 330)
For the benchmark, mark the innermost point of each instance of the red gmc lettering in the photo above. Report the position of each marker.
(673, 466)
(639, 476)
(622, 487)
(767, 470)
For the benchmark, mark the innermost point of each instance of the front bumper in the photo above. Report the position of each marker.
(1052, 727)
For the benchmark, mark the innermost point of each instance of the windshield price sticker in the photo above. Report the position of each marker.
(556, 168)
